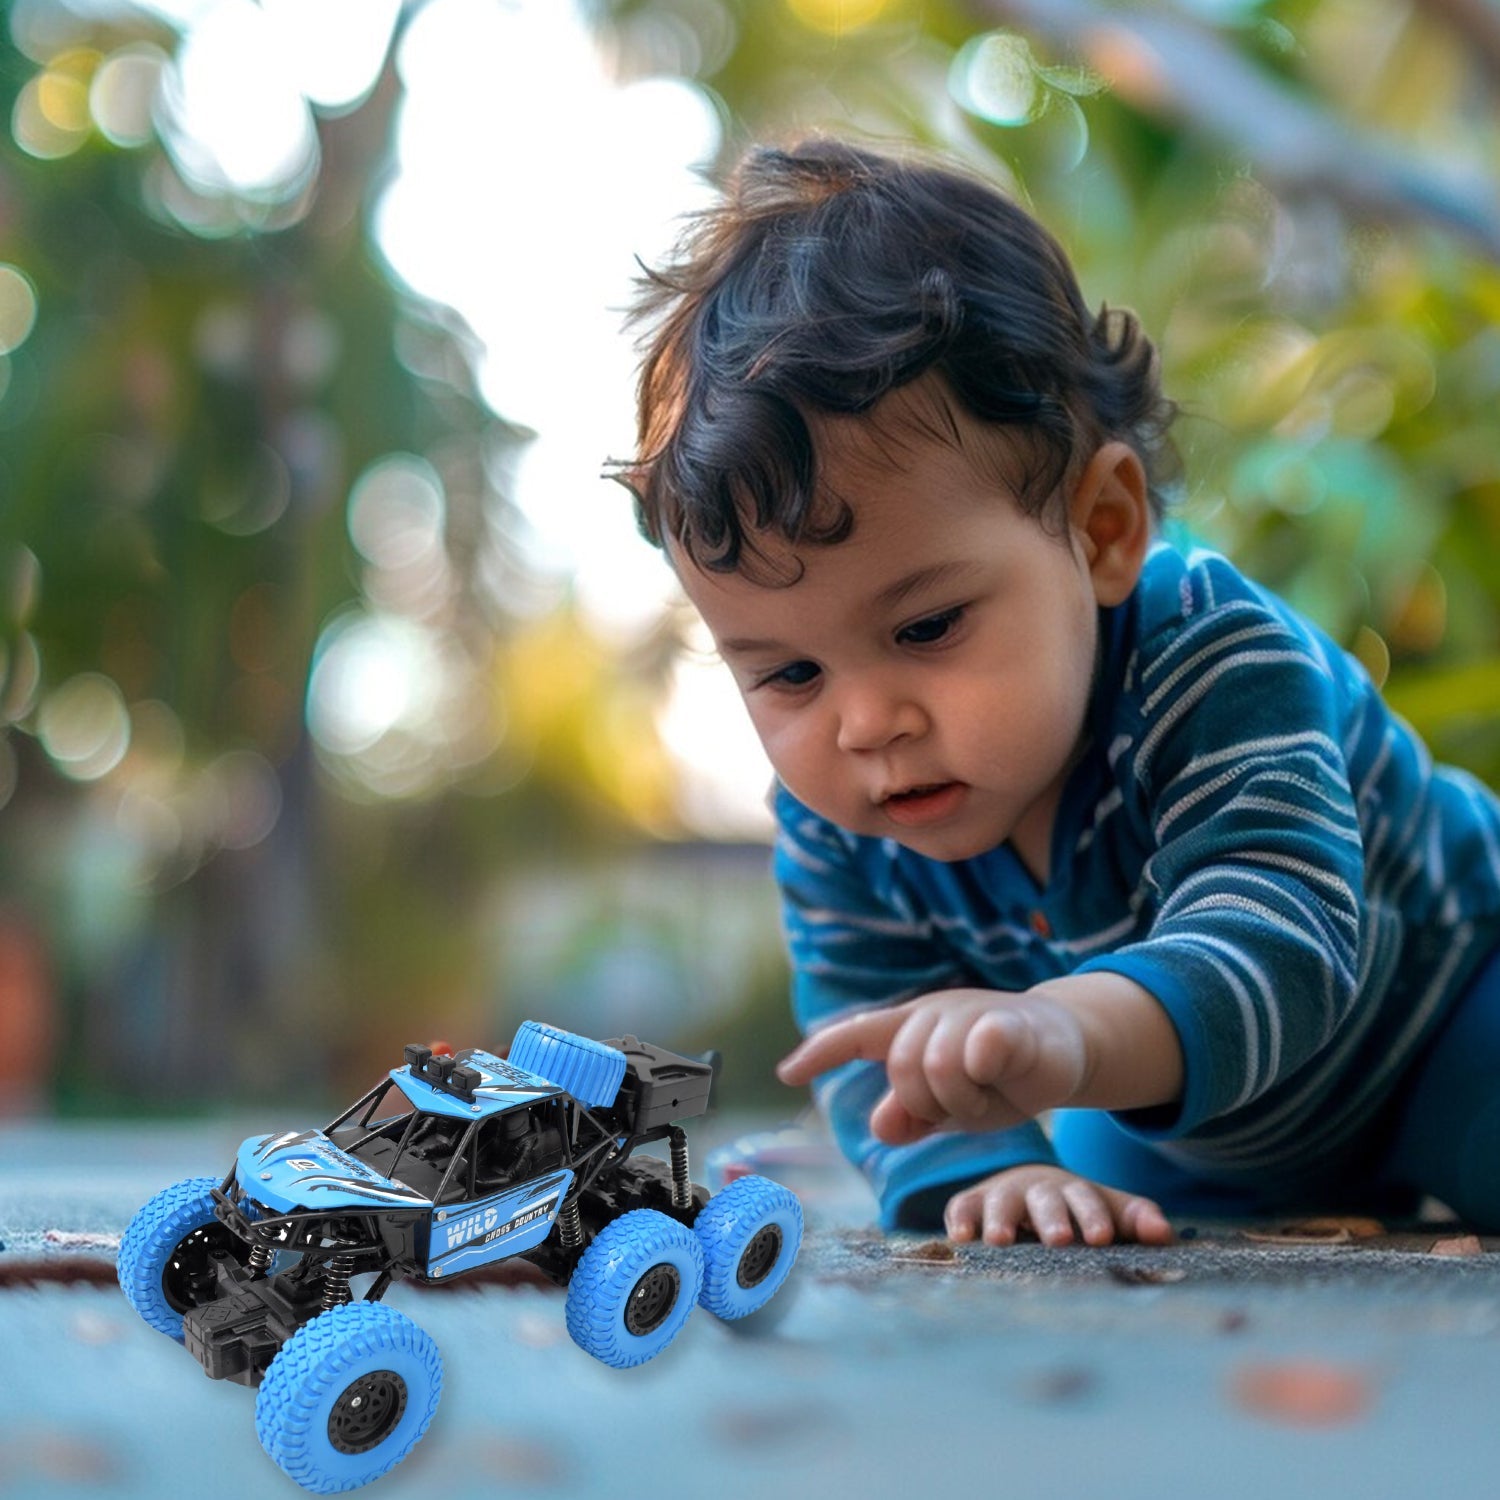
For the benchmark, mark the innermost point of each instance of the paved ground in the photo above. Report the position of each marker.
(1259, 1361)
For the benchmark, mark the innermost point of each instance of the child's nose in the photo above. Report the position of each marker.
(871, 717)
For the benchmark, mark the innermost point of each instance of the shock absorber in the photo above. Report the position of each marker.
(260, 1260)
(682, 1185)
(569, 1226)
(336, 1280)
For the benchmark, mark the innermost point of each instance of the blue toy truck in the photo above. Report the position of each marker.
(450, 1163)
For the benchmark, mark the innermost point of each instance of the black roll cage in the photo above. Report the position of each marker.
(280, 1231)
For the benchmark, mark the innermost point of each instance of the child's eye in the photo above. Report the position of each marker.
(932, 629)
(794, 675)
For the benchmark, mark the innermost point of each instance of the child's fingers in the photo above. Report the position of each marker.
(1090, 1212)
(951, 1091)
(1054, 1203)
(867, 1036)
(1048, 1211)
(998, 1045)
(1142, 1220)
(963, 1217)
(991, 1210)
(907, 1061)
(893, 1123)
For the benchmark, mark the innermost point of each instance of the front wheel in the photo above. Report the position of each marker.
(348, 1396)
(750, 1233)
(634, 1288)
(166, 1266)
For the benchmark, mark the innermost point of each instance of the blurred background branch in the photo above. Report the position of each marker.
(1477, 23)
(1179, 70)
(340, 705)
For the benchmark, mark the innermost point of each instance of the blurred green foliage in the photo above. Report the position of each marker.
(1300, 197)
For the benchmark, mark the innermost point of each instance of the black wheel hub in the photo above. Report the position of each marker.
(763, 1251)
(363, 1416)
(651, 1299)
(188, 1279)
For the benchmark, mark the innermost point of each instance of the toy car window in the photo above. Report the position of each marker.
(515, 1146)
(375, 1133)
(458, 1180)
(391, 1104)
(496, 1155)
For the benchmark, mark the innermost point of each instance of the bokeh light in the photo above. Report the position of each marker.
(994, 76)
(123, 94)
(251, 498)
(18, 308)
(396, 512)
(246, 798)
(51, 114)
(371, 676)
(23, 677)
(394, 706)
(84, 726)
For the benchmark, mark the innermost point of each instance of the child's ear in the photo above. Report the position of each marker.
(1109, 514)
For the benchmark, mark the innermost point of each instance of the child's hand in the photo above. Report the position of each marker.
(1051, 1202)
(956, 1060)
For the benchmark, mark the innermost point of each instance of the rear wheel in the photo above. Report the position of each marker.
(750, 1234)
(634, 1288)
(166, 1256)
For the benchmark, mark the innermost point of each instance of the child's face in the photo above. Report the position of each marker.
(927, 679)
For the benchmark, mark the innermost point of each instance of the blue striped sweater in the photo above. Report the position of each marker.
(1251, 835)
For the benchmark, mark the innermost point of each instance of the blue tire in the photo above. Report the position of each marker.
(750, 1234)
(349, 1395)
(164, 1265)
(634, 1288)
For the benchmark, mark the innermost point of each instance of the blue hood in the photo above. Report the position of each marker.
(304, 1169)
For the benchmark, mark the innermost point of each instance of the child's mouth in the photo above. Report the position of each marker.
(924, 804)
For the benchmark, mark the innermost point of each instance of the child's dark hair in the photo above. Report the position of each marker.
(828, 276)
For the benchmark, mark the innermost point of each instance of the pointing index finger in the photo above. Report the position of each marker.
(867, 1036)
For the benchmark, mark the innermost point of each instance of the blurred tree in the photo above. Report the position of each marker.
(180, 430)
(203, 375)
(243, 473)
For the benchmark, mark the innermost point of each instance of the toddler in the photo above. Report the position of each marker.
(1071, 824)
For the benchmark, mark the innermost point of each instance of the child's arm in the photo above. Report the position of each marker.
(970, 1059)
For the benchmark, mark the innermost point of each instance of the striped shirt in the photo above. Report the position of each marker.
(1251, 835)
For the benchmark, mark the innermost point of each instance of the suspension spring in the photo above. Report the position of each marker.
(260, 1260)
(336, 1280)
(682, 1185)
(569, 1226)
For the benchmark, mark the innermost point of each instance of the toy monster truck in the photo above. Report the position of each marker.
(449, 1164)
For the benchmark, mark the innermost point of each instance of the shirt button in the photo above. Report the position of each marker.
(1040, 925)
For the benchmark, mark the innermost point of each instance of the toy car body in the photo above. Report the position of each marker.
(447, 1165)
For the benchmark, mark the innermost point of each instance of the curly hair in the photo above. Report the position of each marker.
(829, 275)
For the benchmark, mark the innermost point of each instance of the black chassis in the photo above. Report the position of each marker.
(239, 1328)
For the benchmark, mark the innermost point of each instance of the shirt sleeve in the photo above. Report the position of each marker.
(1256, 877)
(852, 948)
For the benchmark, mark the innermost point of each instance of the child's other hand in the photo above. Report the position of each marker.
(1053, 1204)
(955, 1060)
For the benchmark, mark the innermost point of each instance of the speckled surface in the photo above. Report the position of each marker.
(1354, 1364)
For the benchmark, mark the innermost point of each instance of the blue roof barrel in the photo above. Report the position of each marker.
(588, 1070)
